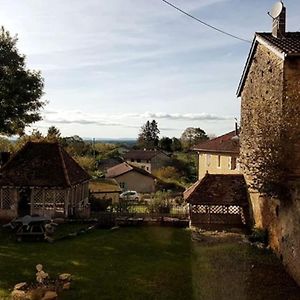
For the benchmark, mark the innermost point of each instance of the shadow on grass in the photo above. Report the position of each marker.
(224, 269)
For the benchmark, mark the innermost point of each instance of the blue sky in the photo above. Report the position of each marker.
(109, 66)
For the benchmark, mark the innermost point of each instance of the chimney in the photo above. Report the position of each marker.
(279, 21)
(236, 128)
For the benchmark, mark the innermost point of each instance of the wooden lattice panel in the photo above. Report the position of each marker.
(217, 209)
(234, 210)
(59, 201)
(6, 198)
(199, 209)
(49, 199)
(37, 198)
(59, 196)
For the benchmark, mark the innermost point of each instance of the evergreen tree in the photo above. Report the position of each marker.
(53, 133)
(149, 135)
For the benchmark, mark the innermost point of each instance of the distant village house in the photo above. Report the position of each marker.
(130, 177)
(148, 160)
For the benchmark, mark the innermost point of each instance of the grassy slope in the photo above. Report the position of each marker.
(133, 263)
(149, 263)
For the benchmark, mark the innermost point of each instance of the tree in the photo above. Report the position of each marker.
(35, 136)
(165, 143)
(192, 136)
(20, 88)
(149, 135)
(53, 133)
(75, 145)
(176, 144)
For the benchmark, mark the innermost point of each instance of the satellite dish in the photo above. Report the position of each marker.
(276, 10)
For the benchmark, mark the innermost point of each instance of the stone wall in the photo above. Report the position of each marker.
(261, 108)
(270, 110)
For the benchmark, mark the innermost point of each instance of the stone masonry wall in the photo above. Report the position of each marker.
(272, 96)
(261, 108)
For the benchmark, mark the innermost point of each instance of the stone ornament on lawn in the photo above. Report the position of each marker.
(20, 286)
(41, 275)
(65, 277)
(45, 289)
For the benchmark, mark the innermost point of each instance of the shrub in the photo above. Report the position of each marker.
(99, 204)
(259, 235)
(161, 203)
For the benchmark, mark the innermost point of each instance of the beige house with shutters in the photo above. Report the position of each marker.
(219, 155)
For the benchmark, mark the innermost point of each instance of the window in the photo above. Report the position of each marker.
(138, 160)
(219, 161)
(208, 158)
(233, 163)
(143, 167)
(122, 185)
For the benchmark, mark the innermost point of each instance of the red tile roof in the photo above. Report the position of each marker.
(142, 154)
(124, 168)
(218, 190)
(227, 143)
(42, 164)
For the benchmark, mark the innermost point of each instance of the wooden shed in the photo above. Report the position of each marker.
(43, 179)
(218, 201)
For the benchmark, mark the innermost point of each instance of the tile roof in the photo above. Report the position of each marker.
(289, 44)
(104, 185)
(218, 190)
(226, 143)
(142, 154)
(42, 164)
(124, 168)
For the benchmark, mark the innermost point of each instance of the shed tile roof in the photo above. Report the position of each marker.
(125, 168)
(105, 185)
(226, 143)
(289, 44)
(218, 190)
(42, 164)
(142, 154)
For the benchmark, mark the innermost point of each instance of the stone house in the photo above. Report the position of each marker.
(132, 178)
(219, 155)
(270, 119)
(43, 179)
(149, 160)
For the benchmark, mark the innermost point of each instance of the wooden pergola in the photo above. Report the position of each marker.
(43, 179)
(218, 201)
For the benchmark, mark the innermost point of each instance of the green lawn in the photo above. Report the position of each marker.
(149, 263)
(131, 263)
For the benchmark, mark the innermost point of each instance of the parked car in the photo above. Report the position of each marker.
(130, 195)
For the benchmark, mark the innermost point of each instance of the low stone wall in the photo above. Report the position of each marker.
(282, 220)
